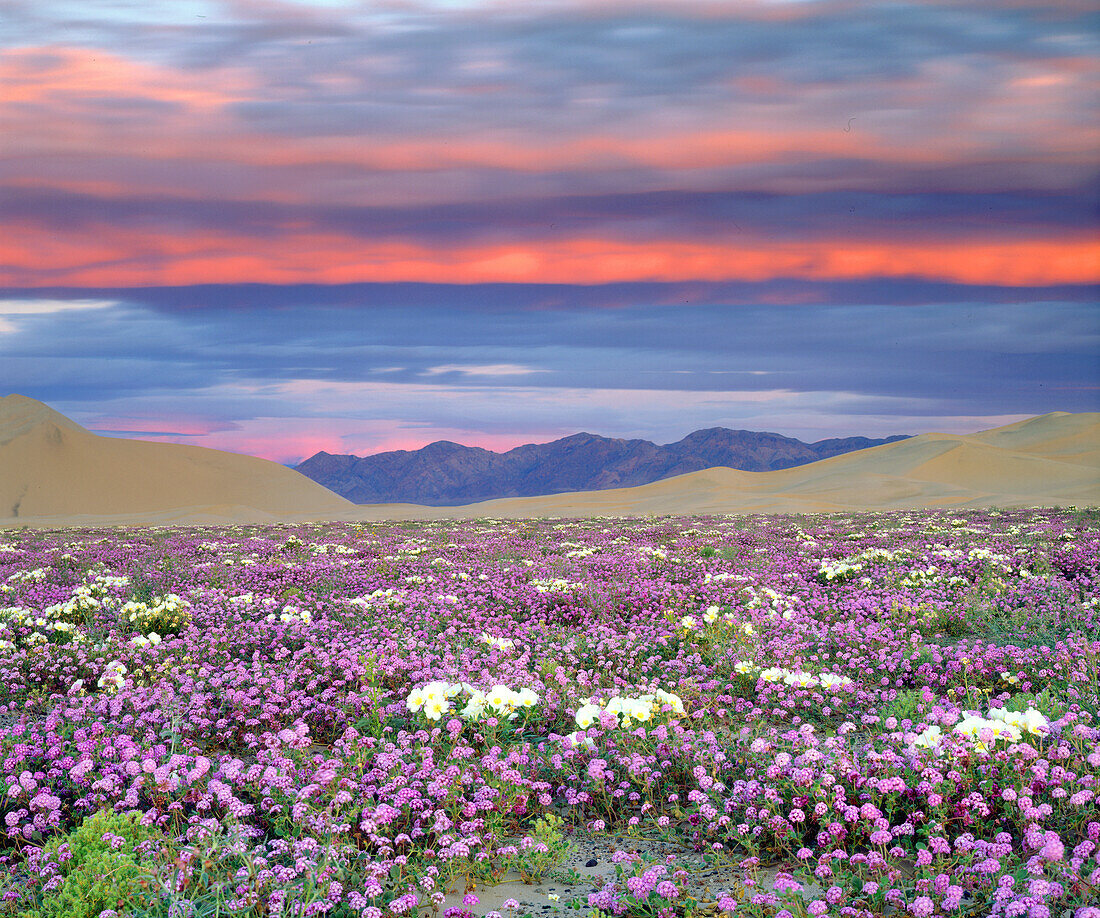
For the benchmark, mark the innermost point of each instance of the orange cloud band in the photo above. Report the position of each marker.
(34, 256)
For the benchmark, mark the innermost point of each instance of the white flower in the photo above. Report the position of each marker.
(436, 706)
(475, 707)
(711, 615)
(1030, 721)
(688, 622)
(526, 698)
(615, 705)
(671, 699)
(113, 677)
(638, 709)
(744, 668)
(499, 643)
(772, 674)
(587, 714)
(578, 740)
(442, 689)
(972, 726)
(501, 698)
(929, 738)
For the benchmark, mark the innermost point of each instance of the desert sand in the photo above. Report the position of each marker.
(55, 473)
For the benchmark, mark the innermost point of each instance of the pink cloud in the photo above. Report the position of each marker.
(114, 256)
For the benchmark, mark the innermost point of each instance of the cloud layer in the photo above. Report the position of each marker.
(552, 142)
(285, 371)
(278, 226)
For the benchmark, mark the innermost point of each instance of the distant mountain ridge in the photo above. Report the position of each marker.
(444, 474)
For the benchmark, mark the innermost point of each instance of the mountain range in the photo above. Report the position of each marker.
(444, 474)
(53, 472)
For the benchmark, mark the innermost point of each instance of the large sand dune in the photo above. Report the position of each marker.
(55, 473)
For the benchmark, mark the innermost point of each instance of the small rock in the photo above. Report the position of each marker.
(591, 863)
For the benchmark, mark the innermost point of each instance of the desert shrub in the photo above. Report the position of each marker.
(546, 851)
(104, 863)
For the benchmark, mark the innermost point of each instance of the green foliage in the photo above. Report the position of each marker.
(1046, 702)
(534, 864)
(930, 620)
(1087, 517)
(109, 868)
(906, 706)
(528, 860)
(1025, 626)
(144, 586)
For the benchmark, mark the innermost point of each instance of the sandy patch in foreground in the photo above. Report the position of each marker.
(589, 866)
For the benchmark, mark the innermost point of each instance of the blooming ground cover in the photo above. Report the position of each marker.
(896, 711)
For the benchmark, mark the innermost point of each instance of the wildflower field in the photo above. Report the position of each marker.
(869, 714)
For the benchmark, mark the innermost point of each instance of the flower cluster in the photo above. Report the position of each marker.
(290, 615)
(435, 699)
(796, 678)
(984, 732)
(168, 614)
(29, 628)
(839, 571)
(498, 642)
(621, 711)
(113, 678)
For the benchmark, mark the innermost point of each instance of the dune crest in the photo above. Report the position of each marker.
(54, 472)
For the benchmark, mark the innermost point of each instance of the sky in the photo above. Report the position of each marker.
(281, 226)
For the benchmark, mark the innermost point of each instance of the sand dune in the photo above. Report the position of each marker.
(55, 473)
(1051, 460)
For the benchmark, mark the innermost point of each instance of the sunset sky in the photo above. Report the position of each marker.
(279, 226)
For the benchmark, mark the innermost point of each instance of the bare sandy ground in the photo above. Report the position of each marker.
(55, 473)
